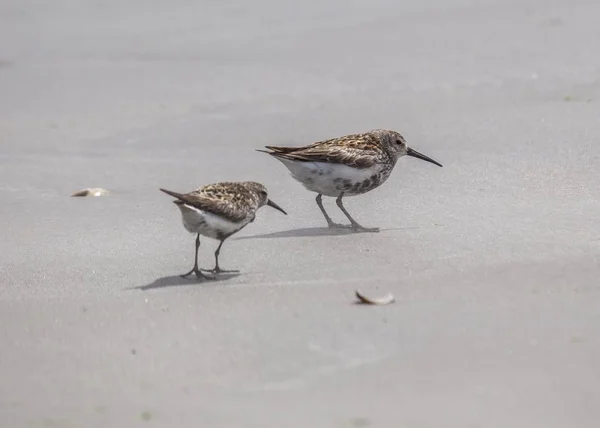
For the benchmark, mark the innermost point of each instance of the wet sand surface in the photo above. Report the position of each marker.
(493, 259)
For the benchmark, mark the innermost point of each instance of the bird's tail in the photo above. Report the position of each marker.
(179, 196)
(281, 150)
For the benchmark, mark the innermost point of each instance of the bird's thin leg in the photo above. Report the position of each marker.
(195, 269)
(330, 222)
(355, 226)
(217, 268)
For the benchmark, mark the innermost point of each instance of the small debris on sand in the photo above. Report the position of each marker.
(385, 300)
(95, 191)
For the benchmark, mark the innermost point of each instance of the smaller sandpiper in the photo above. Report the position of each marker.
(346, 166)
(218, 211)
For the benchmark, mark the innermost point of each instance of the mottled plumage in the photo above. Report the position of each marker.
(233, 201)
(346, 166)
(218, 211)
(357, 151)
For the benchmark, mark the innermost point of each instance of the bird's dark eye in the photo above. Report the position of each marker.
(263, 193)
(398, 142)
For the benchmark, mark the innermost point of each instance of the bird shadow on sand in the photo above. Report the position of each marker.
(315, 231)
(178, 281)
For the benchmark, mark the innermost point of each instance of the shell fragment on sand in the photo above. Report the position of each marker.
(95, 191)
(384, 300)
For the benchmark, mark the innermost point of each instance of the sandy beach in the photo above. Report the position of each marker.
(494, 259)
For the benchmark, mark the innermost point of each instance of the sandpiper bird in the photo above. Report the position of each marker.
(346, 166)
(218, 211)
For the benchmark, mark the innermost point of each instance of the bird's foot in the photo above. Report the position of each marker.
(355, 227)
(218, 270)
(358, 228)
(198, 273)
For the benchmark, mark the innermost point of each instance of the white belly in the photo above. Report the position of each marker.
(330, 179)
(208, 224)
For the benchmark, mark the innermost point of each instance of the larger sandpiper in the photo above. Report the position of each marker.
(346, 166)
(218, 211)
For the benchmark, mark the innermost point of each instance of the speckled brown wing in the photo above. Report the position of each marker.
(358, 150)
(230, 200)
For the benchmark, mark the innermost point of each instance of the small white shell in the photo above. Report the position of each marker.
(385, 300)
(95, 191)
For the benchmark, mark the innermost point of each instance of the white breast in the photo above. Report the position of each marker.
(326, 178)
(208, 224)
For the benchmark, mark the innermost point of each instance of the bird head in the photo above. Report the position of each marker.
(262, 197)
(396, 146)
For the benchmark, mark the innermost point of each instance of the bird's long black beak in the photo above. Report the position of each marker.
(415, 154)
(274, 205)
